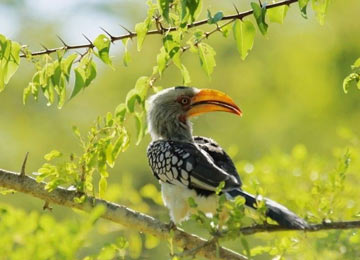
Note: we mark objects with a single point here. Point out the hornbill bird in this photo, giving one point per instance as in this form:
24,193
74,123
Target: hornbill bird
193,166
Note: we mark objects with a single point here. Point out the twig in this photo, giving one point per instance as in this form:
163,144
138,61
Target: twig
160,30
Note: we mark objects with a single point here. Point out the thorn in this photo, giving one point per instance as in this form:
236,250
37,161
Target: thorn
237,10
22,173
131,34
112,38
42,45
91,44
47,206
63,42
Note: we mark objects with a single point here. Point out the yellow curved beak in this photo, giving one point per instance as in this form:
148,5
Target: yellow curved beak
209,100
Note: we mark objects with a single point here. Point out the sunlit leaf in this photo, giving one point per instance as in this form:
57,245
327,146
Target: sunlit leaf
126,57
67,63
207,58
259,14
353,77
356,64
185,75
90,73
141,29
120,112
102,44
80,78
162,59
303,5
320,7
131,98
277,14
140,127
142,86
52,155
9,60
244,34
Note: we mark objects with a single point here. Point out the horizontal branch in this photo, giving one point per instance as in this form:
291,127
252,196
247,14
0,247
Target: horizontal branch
116,213
160,30
312,228
147,224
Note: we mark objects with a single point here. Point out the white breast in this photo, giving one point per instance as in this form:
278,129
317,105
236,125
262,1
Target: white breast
176,199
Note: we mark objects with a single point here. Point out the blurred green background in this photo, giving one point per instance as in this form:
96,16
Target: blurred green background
289,88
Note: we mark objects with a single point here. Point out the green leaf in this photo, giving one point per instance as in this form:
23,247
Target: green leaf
102,186
320,7
120,112
185,75
52,155
353,77
260,13
67,63
356,64
102,44
192,203
62,94
162,59
80,78
126,57
303,5
142,86
207,57
140,126
27,92
141,29
214,19
109,155
190,9
277,14
90,73
131,98
164,8
244,35
9,60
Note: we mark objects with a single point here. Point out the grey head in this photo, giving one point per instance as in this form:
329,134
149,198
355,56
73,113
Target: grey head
166,114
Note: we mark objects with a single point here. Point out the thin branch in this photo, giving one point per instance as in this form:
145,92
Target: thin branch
116,213
160,30
313,228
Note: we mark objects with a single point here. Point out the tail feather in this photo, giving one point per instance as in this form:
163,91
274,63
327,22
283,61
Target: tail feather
275,211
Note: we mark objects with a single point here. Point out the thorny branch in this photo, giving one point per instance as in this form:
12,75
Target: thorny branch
147,224
159,30
116,213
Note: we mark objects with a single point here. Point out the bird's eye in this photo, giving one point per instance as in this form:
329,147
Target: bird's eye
184,101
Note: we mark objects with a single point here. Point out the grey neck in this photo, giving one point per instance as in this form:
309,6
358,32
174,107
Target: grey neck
167,126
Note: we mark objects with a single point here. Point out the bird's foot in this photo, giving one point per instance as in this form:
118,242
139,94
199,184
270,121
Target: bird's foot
172,225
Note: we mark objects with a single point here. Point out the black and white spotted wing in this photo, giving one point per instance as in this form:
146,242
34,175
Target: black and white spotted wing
183,163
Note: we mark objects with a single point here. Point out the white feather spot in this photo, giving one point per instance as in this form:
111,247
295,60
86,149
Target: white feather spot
174,159
175,172
189,166
185,155
184,174
169,175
